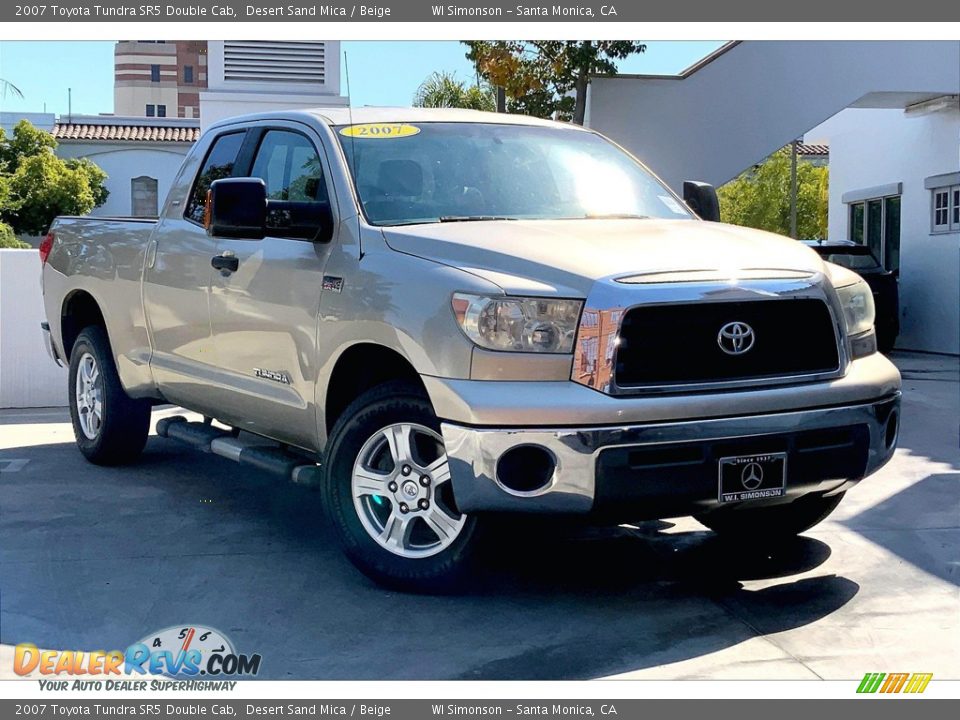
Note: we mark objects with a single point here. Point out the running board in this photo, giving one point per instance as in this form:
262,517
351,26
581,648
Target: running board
255,451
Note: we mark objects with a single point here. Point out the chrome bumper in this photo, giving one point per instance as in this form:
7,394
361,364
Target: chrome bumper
474,453
48,344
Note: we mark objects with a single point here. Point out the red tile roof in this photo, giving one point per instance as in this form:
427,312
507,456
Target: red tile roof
812,149
125,133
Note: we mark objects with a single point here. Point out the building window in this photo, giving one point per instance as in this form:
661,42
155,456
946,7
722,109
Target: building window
946,209
143,196
151,110
875,222
154,73
188,74
161,110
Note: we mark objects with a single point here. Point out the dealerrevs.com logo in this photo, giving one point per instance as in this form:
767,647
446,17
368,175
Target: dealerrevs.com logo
182,651
894,683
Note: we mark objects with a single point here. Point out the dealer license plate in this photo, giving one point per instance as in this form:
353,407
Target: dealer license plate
752,477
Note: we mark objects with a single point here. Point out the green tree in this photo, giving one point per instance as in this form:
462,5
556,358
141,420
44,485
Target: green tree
548,78
36,185
8,239
760,197
444,90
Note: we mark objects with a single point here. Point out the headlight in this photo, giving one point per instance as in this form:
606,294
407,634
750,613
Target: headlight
856,301
518,324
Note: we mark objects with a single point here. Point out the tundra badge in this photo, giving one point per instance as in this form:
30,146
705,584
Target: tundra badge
275,375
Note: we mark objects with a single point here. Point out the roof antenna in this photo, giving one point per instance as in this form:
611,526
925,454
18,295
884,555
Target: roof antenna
353,154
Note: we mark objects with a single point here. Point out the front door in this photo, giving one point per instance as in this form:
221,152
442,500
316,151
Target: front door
176,284
264,314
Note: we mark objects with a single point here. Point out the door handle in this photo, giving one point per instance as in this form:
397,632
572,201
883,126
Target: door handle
226,264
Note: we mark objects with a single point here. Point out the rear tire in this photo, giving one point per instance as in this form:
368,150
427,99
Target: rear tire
386,491
776,521
110,427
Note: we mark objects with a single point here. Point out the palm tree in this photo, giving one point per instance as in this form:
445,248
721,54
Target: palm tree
444,90
7,86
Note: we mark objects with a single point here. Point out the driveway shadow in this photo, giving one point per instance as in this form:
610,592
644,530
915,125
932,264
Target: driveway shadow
96,557
933,504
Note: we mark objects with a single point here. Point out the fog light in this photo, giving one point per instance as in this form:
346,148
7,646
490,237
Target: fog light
893,425
526,469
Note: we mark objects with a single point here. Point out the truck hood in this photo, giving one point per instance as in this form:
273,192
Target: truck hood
565,257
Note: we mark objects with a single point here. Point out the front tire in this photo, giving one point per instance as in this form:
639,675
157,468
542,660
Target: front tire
776,521
387,492
110,427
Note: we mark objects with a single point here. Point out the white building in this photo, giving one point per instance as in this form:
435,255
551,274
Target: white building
895,186
40,120
259,75
888,111
141,156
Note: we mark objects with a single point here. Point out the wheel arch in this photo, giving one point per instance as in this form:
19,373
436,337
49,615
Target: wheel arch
360,367
79,310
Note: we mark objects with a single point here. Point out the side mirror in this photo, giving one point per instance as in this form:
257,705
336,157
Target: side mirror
303,220
702,199
236,208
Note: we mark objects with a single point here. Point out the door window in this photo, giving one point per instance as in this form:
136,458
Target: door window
290,167
288,164
218,164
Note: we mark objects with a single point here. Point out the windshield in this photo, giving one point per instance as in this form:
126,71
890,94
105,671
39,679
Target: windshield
853,261
445,172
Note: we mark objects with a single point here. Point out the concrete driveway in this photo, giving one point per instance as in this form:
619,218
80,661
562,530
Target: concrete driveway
94,558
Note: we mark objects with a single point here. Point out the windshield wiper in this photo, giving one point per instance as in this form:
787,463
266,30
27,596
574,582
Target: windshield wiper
616,216
472,218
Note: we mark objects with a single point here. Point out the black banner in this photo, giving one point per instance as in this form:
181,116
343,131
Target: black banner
438,11
881,709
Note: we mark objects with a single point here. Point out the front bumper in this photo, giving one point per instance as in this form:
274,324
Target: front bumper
669,468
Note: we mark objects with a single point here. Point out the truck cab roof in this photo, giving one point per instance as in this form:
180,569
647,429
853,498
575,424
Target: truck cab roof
369,114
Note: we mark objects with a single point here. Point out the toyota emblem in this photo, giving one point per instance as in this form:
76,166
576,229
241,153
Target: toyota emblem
736,338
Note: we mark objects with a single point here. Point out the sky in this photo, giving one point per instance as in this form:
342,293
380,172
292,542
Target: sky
44,71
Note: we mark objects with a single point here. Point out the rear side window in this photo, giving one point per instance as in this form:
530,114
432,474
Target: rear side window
218,164
854,261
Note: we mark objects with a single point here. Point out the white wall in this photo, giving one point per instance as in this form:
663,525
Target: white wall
124,161
757,97
216,106
878,147
132,100
43,121
28,377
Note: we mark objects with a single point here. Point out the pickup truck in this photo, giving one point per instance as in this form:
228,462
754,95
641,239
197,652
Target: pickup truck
441,316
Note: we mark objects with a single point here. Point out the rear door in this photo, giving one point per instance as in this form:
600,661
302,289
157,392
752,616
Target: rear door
177,276
264,314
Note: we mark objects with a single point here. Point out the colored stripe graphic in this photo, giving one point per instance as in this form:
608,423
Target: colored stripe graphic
918,682
871,682
894,682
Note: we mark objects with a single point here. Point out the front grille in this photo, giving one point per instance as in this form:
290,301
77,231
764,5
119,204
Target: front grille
677,344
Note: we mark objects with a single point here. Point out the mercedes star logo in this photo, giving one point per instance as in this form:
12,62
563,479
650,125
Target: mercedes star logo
736,338
751,476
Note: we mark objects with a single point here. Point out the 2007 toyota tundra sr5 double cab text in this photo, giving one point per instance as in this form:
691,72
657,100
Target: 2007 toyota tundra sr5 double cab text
439,316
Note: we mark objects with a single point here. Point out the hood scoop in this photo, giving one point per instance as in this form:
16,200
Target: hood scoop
716,275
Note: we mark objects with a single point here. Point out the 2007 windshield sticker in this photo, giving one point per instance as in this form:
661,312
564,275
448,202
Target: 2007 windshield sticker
380,131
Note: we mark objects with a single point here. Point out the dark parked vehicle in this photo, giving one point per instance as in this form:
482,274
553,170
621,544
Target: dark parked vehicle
884,283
